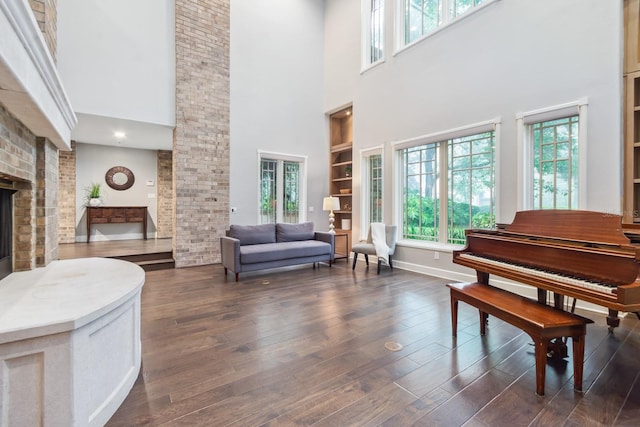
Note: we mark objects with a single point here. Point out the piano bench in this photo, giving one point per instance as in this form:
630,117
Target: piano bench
541,322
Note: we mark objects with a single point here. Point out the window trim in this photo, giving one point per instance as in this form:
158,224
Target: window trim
525,148
399,21
397,146
366,63
365,219
271,155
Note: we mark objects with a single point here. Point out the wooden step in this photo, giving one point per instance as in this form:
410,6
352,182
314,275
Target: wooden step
151,261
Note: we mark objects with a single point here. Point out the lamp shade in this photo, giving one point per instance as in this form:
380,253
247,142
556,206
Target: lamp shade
330,204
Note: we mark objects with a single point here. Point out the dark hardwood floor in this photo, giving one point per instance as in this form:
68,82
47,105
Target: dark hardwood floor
306,346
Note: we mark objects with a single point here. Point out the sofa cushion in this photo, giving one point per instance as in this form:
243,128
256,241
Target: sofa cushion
253,234
294,232
280,251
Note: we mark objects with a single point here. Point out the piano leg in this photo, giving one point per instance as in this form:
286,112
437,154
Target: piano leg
556,347
542,296
482,277
612,320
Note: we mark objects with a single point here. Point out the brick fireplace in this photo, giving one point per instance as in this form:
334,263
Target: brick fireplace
36,119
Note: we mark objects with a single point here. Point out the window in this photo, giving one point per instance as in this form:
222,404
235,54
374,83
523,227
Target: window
375,188
373,27
448,183
372,168
281,188
555,163
421,17
551,155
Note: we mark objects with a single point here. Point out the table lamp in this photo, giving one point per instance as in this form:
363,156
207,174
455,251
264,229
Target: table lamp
331,204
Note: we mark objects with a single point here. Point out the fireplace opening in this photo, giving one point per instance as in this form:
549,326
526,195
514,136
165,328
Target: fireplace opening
6,232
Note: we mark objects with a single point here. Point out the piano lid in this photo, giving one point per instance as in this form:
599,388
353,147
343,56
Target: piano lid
580,226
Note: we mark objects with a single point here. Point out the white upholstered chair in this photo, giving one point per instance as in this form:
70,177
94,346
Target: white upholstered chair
367,247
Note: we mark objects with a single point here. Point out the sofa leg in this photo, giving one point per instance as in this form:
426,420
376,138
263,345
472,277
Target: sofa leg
390,263
379,264
237,274
355,258
366,258
314,265
225,272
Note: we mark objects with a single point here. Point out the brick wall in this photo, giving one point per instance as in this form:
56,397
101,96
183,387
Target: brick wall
45,12
201,135
164,227
46,202
67,195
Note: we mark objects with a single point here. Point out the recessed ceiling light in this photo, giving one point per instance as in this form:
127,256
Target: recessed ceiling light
119,134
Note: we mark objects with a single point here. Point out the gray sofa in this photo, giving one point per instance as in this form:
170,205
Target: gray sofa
257,247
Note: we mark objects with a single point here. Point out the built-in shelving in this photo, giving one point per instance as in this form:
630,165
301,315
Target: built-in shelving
341,178
631,199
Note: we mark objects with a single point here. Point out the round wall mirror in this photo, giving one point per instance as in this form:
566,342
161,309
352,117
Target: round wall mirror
119,178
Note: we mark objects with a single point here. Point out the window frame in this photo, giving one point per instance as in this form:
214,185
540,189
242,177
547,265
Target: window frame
281,158
524,121
366,37
400,21
365,214
398,147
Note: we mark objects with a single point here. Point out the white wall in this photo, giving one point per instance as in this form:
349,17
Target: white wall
276,98
93,162
512,56
116,58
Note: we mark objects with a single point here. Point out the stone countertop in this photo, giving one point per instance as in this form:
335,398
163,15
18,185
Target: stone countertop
63,296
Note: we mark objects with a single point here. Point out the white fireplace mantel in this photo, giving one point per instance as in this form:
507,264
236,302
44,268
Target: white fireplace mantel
30,87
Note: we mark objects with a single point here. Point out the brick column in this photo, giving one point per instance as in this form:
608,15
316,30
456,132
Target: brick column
201,135
164,227
67,195
46,202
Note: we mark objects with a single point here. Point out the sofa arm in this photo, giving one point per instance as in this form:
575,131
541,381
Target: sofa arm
325,236
230,253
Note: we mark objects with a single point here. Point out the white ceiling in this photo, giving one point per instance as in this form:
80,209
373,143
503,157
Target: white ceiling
92,129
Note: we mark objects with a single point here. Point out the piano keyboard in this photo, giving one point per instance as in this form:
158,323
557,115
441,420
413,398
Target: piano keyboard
541,273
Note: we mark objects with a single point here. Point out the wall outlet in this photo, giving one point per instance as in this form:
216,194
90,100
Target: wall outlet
234,210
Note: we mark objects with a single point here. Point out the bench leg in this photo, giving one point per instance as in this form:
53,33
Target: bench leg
484,318
578,361
541,364
454,315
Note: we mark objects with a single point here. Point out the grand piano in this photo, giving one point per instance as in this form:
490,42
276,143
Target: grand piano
580,254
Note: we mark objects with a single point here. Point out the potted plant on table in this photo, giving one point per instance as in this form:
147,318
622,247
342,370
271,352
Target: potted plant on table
93,195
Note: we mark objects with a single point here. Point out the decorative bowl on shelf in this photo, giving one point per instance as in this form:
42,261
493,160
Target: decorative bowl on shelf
345,191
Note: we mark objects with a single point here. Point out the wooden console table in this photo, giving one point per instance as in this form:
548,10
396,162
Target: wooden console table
116,215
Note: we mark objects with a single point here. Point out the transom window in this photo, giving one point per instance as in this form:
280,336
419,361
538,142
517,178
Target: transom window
422,17
448,186
373,32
